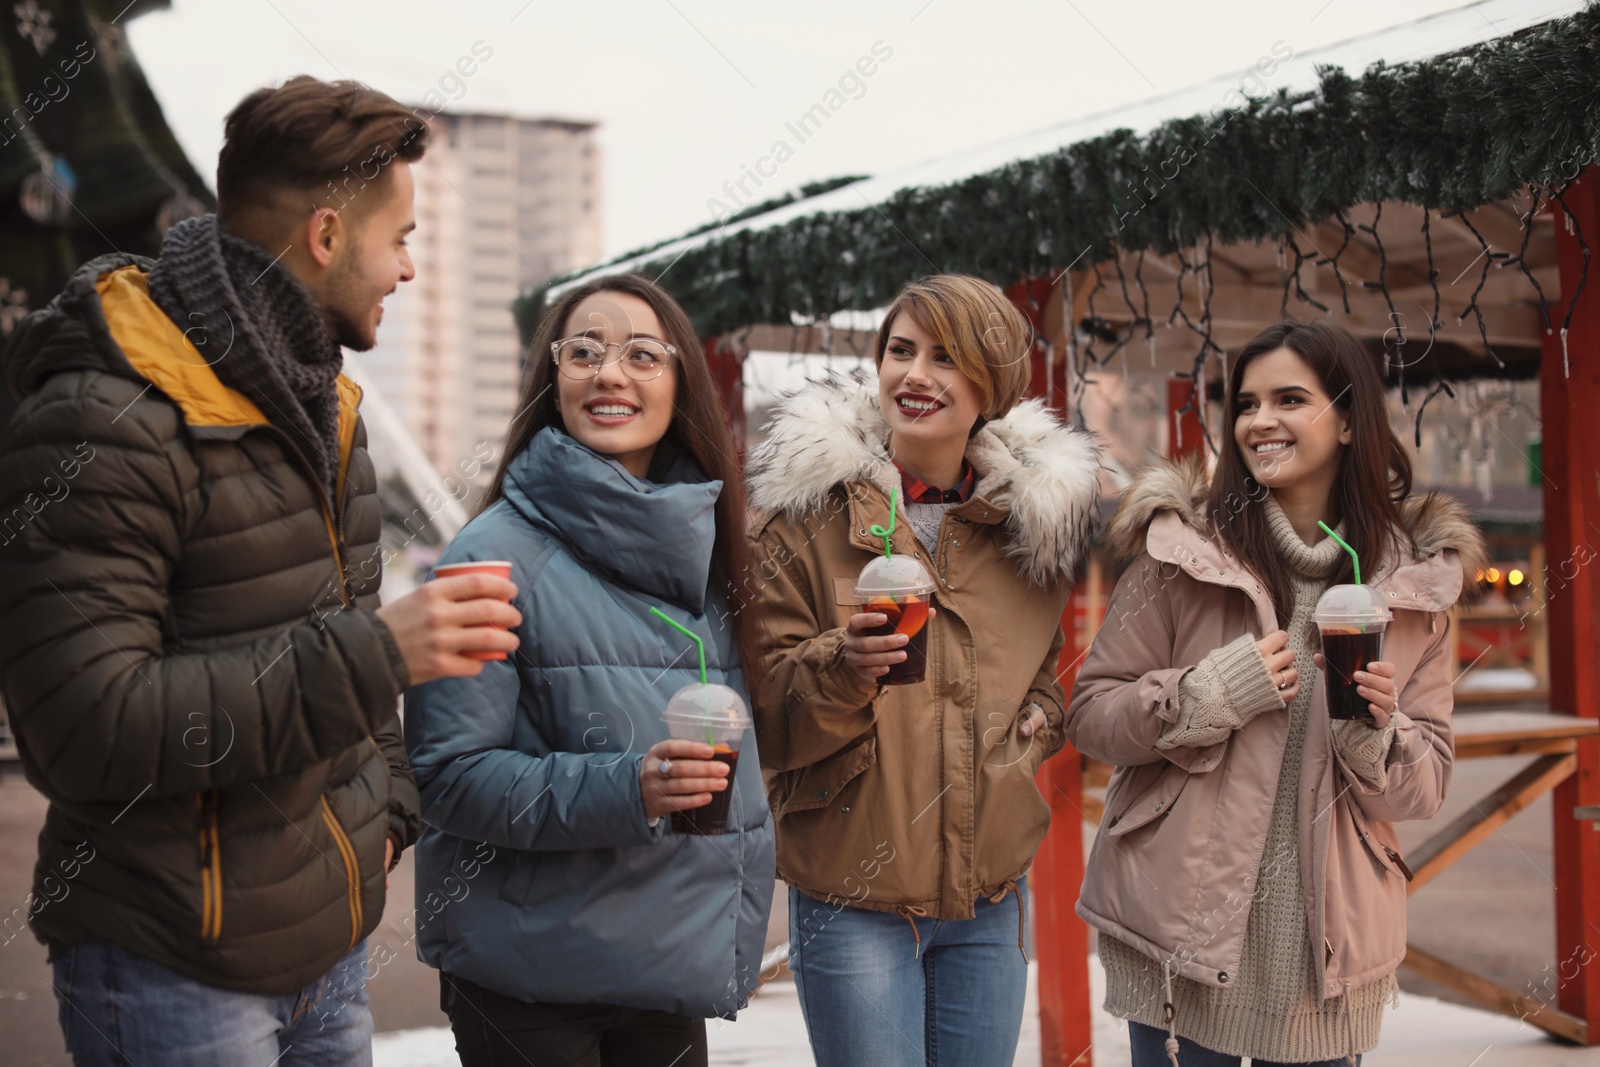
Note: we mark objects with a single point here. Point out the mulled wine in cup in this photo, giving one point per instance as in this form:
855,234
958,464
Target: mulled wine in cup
1351,620
714,715
899,588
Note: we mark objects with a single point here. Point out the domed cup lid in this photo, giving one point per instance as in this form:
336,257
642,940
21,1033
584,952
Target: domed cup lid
893,576
709,713
1352,605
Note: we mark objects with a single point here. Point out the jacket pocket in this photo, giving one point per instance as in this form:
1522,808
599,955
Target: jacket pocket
1386,855
352,869
817,785
1147,802
210,866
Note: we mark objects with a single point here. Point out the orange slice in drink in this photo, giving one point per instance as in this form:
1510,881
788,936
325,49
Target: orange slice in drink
913,616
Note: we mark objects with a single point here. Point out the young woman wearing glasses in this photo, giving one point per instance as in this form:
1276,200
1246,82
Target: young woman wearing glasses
570,922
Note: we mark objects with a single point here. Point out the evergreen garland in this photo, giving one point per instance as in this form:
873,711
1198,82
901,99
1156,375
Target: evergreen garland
1449,133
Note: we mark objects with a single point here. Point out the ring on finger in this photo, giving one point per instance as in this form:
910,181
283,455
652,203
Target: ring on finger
665,768
1283,679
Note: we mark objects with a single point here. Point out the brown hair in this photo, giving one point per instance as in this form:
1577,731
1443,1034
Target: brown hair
699,427
309,140
1374,470
985,334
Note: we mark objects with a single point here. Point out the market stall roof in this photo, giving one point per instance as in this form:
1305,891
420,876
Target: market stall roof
1452,111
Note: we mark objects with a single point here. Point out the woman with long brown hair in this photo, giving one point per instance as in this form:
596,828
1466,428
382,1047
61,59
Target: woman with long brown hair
1247,882
583,928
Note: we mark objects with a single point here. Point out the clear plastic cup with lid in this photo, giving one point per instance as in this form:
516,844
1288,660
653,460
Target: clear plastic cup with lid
1352,620
714,715
900,589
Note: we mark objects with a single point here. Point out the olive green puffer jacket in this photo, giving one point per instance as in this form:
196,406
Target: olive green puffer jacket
208,703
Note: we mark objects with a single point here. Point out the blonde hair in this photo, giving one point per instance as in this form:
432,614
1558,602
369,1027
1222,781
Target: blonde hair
986,336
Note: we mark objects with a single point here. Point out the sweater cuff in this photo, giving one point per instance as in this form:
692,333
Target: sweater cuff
1250,688
1365,751
1223,692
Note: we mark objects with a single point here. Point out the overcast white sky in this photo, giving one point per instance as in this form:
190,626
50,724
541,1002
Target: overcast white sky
690,92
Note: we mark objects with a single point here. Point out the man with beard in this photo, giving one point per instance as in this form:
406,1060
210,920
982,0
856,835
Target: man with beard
191,649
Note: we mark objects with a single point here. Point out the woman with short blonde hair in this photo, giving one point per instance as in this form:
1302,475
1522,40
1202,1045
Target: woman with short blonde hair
986,336
907,813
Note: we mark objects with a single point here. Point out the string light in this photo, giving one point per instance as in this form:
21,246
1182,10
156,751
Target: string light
1489,257
1576,230
1440,386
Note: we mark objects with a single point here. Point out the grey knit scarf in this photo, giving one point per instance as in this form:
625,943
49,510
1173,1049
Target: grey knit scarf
261,329
1317,561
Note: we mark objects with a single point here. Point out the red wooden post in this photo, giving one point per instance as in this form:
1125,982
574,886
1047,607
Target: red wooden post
727,371
1061,939
1568,397
1184,435
1034,297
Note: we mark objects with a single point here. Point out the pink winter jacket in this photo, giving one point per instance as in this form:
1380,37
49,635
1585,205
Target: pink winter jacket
1174,866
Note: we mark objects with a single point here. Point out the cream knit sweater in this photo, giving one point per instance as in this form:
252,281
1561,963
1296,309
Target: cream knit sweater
1272,1011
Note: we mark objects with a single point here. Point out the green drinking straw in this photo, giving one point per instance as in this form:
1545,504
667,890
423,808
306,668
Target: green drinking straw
690,634
699,644
879,531
1355,561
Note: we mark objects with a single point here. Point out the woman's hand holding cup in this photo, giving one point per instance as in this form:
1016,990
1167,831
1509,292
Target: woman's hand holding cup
1376,683
871,656
692,776
1279,658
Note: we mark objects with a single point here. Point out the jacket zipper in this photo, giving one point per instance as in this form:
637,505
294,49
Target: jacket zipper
210,867
331,514
351,869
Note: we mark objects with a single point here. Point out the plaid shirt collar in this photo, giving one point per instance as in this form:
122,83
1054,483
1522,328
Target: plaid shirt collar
917,491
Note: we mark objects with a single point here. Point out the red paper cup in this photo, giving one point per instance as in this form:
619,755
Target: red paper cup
499,567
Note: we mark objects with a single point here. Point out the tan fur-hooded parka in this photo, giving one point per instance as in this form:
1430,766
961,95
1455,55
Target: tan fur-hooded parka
911,798
1173,869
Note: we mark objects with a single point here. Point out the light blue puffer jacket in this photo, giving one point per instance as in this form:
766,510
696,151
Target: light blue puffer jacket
538,875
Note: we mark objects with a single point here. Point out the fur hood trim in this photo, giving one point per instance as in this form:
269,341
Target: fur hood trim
1435,521
1044,474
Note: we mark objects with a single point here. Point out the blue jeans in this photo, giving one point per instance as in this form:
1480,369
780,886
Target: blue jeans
868,998
119,1009
1149,1047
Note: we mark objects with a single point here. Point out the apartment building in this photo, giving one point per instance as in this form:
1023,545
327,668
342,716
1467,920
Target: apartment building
502,204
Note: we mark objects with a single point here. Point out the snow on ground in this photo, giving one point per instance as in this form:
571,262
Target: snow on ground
1422,1032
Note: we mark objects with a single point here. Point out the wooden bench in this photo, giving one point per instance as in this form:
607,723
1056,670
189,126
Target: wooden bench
1554,740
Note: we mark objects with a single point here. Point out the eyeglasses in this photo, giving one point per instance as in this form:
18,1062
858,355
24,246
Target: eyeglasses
583,357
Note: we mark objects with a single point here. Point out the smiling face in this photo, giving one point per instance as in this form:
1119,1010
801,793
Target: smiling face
612,413
1286,426
372,261
926,400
